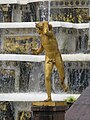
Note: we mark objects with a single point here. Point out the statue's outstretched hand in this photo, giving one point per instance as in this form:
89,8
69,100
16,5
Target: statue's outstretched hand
34,51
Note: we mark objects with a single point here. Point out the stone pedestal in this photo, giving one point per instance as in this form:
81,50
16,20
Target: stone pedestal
49,110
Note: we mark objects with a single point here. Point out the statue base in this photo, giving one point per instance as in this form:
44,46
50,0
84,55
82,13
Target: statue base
49,110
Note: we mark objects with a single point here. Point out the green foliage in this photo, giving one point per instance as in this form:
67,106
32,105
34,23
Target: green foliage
70,99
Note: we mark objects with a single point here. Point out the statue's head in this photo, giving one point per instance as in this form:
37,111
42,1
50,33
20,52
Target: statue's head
41,25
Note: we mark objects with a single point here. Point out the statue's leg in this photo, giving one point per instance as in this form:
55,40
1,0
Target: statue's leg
60,67
48,71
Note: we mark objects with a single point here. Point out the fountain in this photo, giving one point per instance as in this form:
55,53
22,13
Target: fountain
17,60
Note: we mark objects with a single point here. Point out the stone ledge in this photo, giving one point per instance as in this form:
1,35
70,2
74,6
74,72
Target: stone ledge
50,103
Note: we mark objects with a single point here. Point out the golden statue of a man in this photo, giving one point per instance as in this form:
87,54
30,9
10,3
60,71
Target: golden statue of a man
52,55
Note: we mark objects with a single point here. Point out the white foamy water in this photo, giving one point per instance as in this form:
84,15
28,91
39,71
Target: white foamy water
54,24
34,96
40,58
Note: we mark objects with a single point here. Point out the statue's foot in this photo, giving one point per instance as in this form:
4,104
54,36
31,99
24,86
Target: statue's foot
48,100
64,87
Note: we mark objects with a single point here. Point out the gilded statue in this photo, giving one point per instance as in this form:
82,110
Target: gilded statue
52,55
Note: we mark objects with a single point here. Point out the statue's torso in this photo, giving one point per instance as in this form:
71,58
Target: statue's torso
50,45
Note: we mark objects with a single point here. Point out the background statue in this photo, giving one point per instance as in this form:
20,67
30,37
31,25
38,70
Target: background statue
52,55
